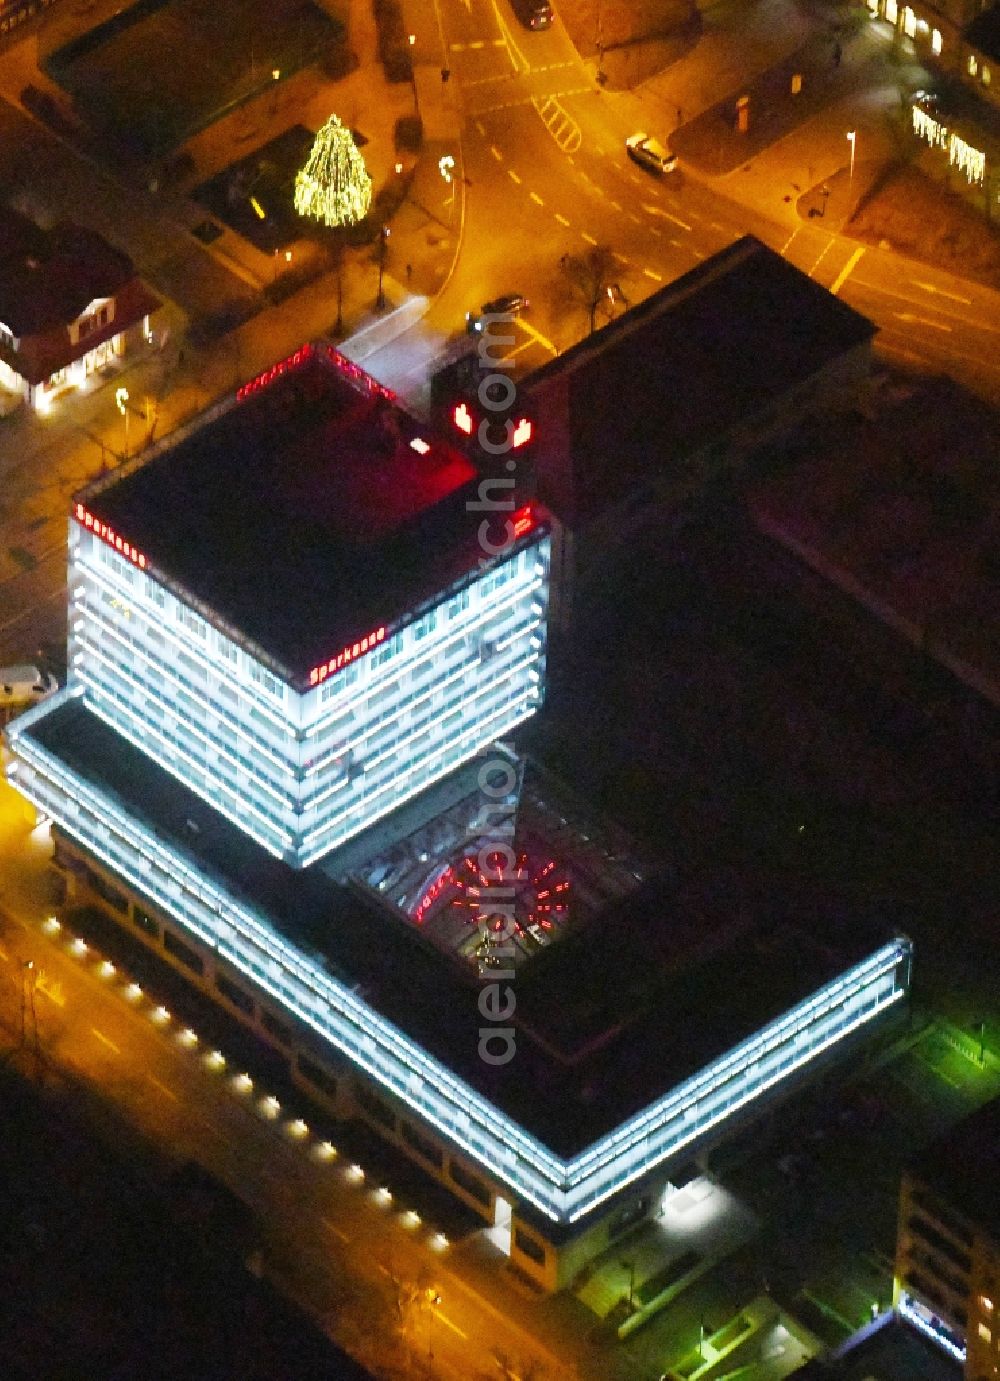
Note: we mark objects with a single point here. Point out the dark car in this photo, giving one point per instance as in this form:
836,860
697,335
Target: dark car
533,14
510,304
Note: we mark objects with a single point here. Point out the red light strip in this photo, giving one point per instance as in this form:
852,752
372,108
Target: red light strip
347,654
523,521
108,534
347,367
520,434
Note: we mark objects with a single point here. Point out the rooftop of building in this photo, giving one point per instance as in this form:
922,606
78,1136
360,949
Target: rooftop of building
630,1002
49,277
695,360
904,508
889,1350
963,1167
984,32
305,513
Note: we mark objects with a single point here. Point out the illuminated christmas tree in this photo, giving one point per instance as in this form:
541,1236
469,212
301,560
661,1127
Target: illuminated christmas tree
334,185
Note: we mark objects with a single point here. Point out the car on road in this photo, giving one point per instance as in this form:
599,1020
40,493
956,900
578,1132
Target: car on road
509,304
533,14
649,153
21,687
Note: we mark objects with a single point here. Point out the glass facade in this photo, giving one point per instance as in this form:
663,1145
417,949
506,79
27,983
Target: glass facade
564,1190
303,772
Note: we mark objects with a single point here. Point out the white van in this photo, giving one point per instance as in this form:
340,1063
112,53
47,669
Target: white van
21,687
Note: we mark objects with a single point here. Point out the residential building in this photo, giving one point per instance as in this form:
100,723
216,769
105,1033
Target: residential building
70,304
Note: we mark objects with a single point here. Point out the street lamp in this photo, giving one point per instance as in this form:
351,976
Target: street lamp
382,245
121,403
852,139
433,1300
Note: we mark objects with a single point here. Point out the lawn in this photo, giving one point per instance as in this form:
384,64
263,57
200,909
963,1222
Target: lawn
921,218
156,74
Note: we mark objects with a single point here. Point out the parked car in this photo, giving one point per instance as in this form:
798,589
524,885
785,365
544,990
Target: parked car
649,153
533,14
21,687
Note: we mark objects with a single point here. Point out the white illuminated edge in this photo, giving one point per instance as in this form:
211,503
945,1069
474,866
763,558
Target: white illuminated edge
563,1190
925,1322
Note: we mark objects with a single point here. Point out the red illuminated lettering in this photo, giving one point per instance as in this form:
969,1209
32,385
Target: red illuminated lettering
346,654
463,419
522,432
108,534
523,522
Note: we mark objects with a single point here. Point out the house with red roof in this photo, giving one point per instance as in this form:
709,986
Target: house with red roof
70,305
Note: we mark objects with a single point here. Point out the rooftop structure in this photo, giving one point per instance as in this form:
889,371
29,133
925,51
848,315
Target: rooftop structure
307,512
697,364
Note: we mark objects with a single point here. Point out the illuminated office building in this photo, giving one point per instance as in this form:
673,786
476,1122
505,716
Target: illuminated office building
299,653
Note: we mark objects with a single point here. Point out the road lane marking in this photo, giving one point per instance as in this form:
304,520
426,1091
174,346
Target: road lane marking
615,205
479,43
496,153
846,271
105,1040
561,219
633,217
338,1232
655,230
788,243
162,1087
536,198
656,277
589,238
913,320
942,292
513,176
622,258
659,211
480,126
822,256
535,334
448,1324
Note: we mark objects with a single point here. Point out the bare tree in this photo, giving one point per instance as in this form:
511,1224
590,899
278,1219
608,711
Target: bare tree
589,280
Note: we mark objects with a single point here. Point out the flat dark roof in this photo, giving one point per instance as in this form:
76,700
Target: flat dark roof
984,32
963,1166
696,359
301,514
623,1008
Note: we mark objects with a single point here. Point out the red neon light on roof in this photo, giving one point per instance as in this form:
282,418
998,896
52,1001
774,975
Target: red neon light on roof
522,432
463,419
347,654
523,521
346,367
108,534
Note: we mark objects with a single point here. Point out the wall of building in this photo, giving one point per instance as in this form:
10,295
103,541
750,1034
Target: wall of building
302,773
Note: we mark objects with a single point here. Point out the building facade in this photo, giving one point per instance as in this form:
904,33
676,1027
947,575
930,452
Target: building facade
70,305
948,1248
295,642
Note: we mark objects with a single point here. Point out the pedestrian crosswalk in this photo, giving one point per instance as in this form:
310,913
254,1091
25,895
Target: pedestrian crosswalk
559,123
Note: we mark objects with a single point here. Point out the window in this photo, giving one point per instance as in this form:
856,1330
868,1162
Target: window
986,1303
528,1247
236,995
316,1075
458,604
373,1105
281,1032
421,1144
115,899
972,66
471,1183
936,41
426,625
387,650
192,621
227,649
183,952
985,75
340,682
984,1333
264,678
145,922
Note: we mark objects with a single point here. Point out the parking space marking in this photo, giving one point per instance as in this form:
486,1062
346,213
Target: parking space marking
513,176
337,1232
106,1040
536,198
496,153
589,238
163,1087
561,219
656,277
